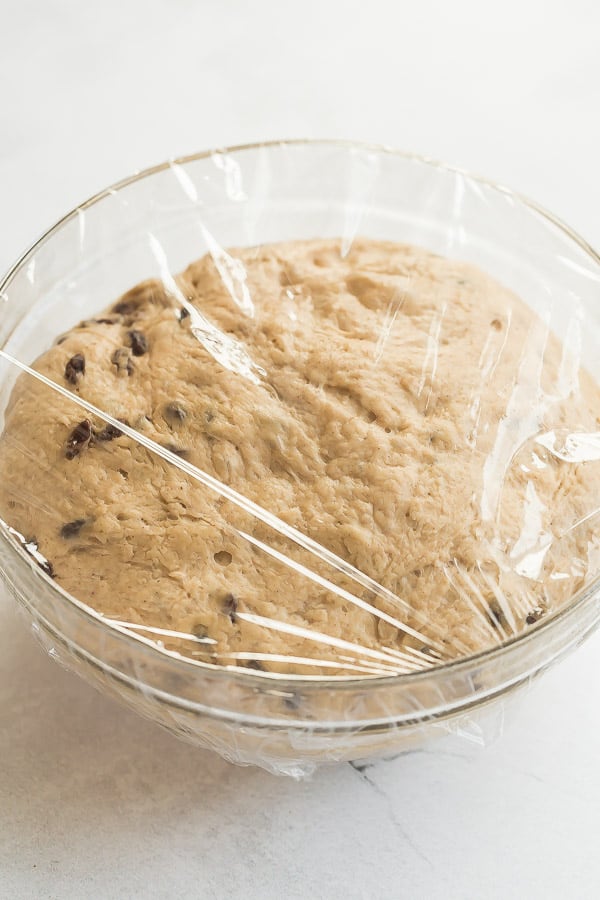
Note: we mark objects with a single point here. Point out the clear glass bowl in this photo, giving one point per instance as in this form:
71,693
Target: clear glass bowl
246,196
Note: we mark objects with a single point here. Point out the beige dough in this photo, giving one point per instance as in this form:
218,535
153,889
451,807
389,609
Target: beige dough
387,403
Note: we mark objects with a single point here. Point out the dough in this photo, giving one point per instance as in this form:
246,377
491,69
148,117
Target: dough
397,407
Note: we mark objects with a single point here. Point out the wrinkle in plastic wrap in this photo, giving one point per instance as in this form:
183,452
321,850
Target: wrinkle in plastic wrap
331,493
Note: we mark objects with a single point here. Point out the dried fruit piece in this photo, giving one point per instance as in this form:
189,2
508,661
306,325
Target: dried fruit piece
230,606
124,307
139,342
75,368
47,567
71,529
79,439
534,615
110,432
178,451
496,615
31,546
121,358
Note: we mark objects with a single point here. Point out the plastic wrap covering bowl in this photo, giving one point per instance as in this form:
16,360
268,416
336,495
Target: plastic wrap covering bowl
342,698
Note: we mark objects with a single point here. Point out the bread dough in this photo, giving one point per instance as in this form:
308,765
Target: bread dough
397,407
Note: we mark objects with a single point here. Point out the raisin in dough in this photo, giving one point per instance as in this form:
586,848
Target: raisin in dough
381,402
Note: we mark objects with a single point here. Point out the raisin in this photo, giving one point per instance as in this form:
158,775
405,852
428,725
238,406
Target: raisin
110,432
496,616
174,412
31,546
122,360
139,342
230,606
178,451
534,615
71,529
79,439
255,664
75,368
124,308
47,567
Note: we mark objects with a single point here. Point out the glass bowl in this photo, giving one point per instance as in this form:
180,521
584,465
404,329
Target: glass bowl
246,196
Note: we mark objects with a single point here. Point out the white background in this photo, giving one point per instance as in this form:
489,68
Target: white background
94,802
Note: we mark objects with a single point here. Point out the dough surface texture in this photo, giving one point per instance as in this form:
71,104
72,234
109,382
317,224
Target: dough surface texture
397,407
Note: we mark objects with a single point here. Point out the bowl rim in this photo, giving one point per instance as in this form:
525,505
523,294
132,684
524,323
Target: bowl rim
309,683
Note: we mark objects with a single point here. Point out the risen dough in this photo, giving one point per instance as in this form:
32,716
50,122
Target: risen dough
385,403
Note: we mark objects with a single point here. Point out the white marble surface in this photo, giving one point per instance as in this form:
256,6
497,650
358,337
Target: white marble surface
95,802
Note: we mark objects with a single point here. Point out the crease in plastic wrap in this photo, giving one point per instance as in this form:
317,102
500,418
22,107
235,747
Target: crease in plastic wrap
300,449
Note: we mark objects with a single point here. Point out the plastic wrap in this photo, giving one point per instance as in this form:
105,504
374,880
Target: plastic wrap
301,449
